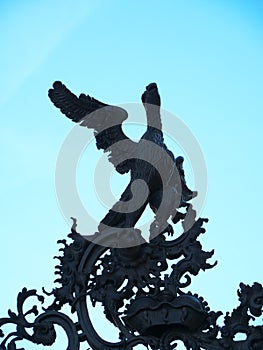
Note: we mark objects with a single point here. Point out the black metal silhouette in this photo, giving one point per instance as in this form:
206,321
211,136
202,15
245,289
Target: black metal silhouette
140,159
142,296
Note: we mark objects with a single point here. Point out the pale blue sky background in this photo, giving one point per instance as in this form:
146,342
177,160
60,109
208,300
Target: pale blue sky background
206,57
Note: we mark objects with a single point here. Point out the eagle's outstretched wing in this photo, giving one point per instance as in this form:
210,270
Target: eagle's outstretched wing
105,119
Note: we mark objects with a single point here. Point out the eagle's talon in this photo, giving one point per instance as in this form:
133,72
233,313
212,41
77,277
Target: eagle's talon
169,229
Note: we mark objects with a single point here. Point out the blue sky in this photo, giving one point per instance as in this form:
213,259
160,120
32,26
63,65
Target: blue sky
206,57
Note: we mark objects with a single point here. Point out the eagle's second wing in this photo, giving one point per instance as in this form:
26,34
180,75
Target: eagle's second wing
106,121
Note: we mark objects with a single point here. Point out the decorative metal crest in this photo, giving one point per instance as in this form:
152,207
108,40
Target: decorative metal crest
140,285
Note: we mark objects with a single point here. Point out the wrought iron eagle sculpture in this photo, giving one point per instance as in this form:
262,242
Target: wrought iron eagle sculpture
149,159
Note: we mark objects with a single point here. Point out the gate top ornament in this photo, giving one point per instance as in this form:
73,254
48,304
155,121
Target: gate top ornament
141,295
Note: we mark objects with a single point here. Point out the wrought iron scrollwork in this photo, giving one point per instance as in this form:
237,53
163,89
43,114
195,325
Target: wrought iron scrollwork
141,296
42,330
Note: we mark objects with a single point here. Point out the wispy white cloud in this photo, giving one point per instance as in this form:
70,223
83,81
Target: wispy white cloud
31,31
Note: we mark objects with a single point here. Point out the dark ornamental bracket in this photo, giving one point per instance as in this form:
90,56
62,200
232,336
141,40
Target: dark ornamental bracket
141,295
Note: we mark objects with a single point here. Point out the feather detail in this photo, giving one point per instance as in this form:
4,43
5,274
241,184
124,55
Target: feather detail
105,120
